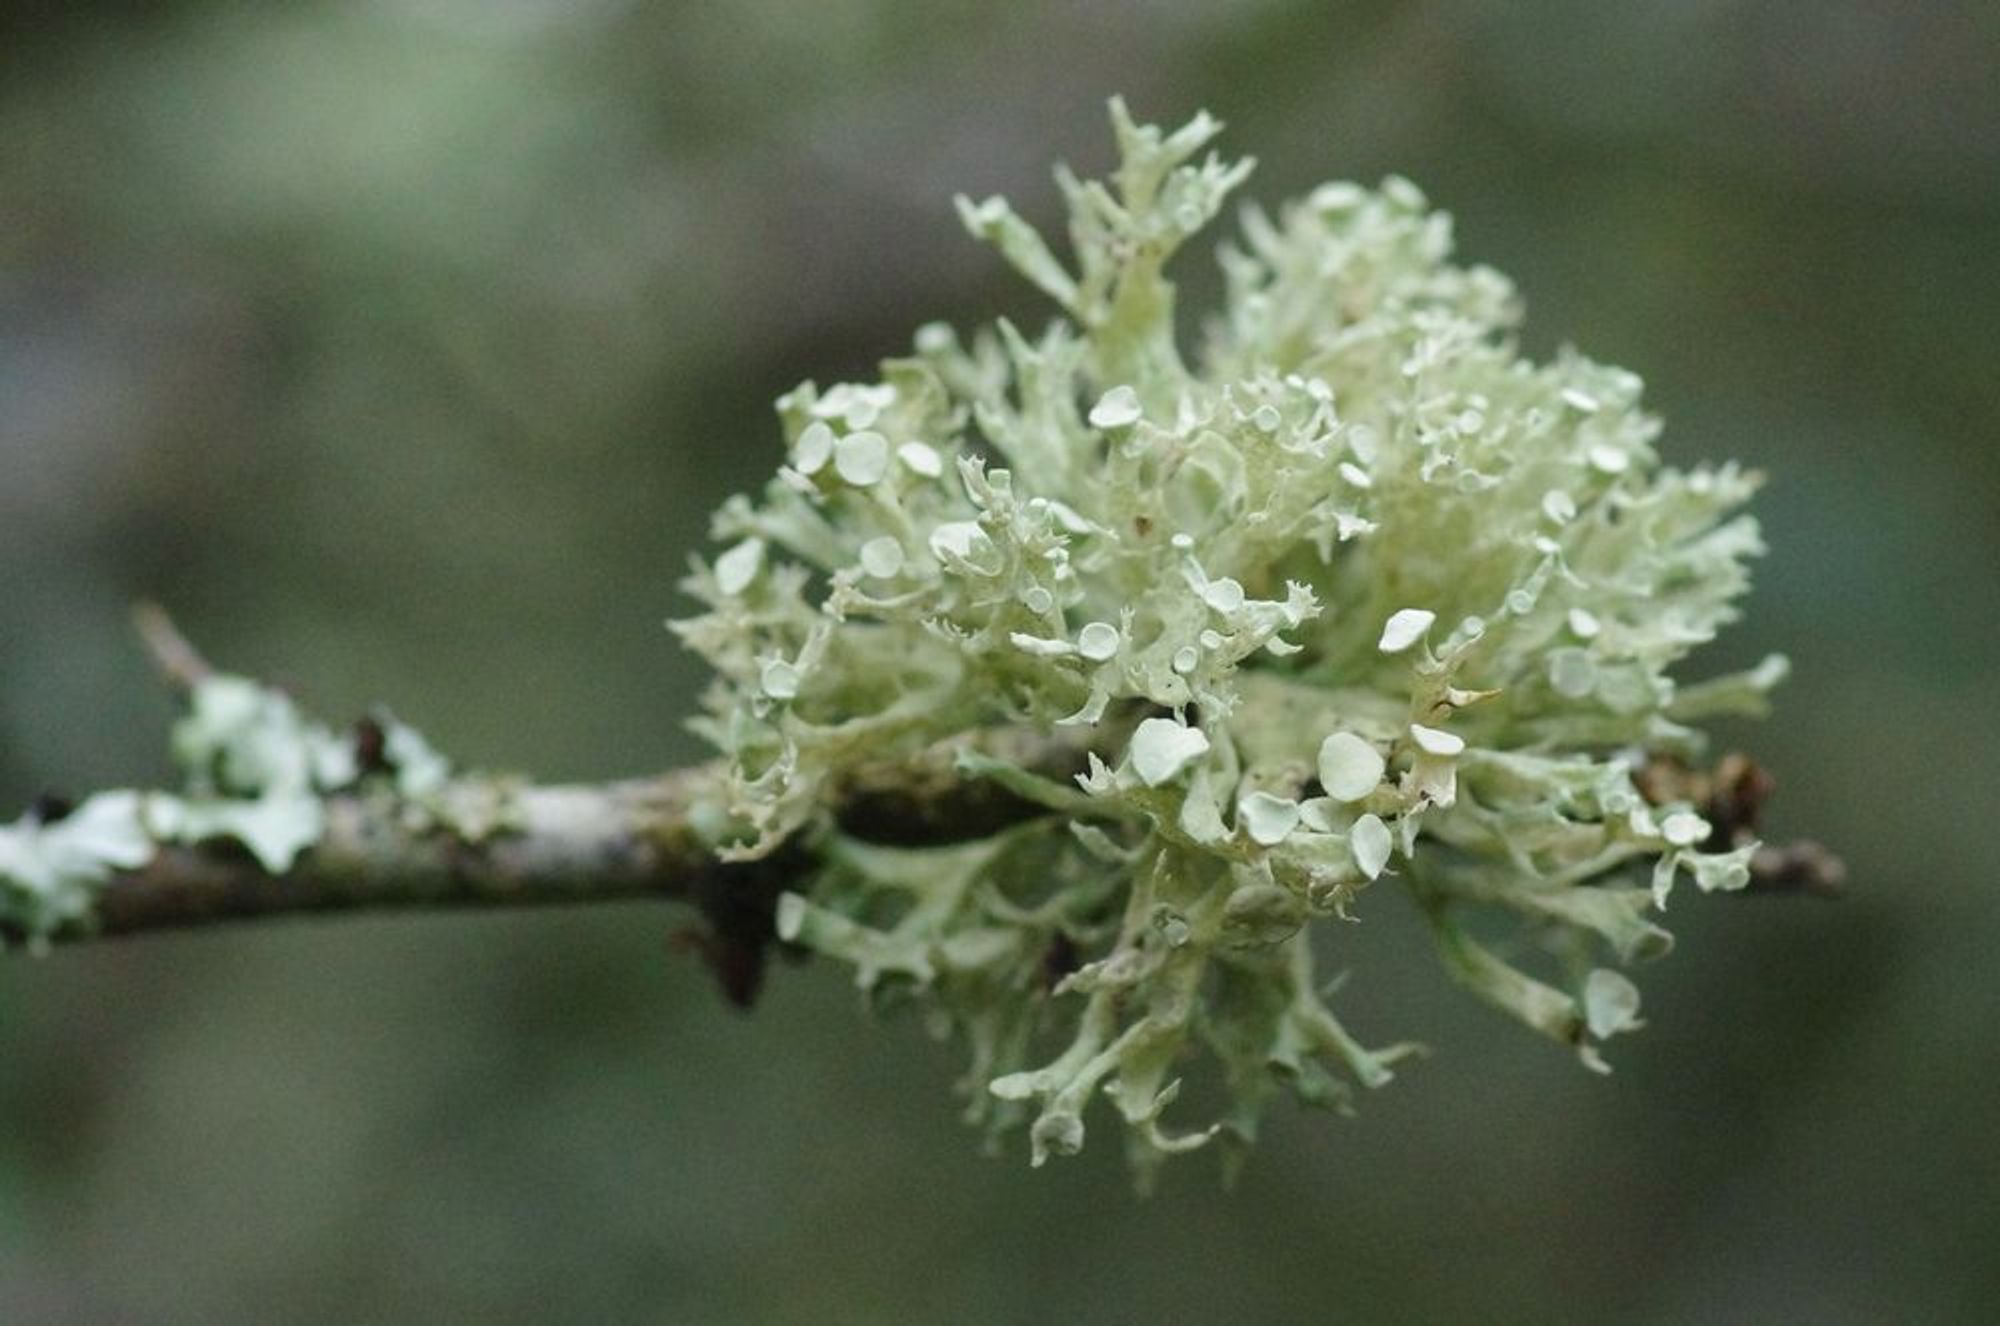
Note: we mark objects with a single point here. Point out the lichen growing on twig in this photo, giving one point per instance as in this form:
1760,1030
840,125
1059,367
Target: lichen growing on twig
256,773
1377,597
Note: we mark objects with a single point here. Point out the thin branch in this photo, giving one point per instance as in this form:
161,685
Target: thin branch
624,840
180,662
570,844
567,844
562,844
1798,867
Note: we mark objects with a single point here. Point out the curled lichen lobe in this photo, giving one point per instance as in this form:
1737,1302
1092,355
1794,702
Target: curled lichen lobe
1387,599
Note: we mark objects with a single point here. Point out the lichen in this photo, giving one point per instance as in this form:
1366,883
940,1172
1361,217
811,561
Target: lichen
1386,599
255,772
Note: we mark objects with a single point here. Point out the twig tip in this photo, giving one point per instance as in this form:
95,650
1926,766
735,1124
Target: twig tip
177,660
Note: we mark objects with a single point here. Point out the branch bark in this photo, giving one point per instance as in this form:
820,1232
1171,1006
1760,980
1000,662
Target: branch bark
579,844
634,839
563,845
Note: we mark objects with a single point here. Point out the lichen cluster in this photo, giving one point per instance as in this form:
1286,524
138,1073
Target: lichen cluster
1356,593
255,773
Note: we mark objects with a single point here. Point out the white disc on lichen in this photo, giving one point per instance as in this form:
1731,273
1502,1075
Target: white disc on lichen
882,557
921,458
1349,767
813,449
1404,628
861,458
1161,748
1098,641
1369,841
1117,408
1437,741
1684,828
780,679
1224,595
1610,1003
736,568
1267,818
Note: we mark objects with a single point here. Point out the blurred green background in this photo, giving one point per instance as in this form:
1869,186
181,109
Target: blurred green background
401,347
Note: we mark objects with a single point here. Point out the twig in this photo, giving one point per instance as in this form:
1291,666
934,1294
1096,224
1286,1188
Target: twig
177,660
569,845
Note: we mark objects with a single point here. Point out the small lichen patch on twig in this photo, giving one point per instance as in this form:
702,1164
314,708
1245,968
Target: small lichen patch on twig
256,772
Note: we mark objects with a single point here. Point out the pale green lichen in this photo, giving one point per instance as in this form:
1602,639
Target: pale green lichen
1392,599
50,872
255,772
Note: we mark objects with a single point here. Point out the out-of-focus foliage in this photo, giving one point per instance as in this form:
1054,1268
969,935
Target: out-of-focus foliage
403,348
